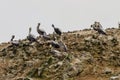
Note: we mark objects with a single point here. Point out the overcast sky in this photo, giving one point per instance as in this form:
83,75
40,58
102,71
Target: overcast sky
16,16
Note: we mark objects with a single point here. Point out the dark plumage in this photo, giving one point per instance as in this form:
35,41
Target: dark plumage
46,37
100,31
14,42
31,37
54,44
57,30
40,31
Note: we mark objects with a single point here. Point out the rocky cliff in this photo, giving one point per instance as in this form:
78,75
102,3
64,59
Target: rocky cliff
90,56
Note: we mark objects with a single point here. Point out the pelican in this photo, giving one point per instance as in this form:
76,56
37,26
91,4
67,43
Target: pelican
31,37
40,31
14,42
119,25
54,44
63,46
98,27
57,30
46,37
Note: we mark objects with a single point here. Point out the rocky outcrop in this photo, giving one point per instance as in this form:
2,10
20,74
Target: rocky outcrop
90,56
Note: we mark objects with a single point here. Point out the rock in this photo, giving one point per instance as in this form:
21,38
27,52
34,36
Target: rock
29,63
115,78
88,38
110,37
107,70
75,67
56,53
22,78
86,57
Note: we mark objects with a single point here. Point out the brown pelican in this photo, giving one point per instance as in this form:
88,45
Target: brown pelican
98,27
54,44
40,31
57,30
14,42
31,37
63,46
46,37
119,25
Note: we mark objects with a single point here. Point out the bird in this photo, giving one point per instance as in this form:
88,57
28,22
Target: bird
40,31
46,37
119,25
54,44
63,46
98,27
14,42
31,37
57,30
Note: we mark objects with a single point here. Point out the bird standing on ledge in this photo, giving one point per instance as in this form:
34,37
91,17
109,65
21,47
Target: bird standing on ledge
14,42
98,27
40,31
57,30
31,37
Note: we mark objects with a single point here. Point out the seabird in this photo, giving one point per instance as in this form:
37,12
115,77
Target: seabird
14,42
54,44
46,37
119,25
63,46
57,30
98,27
40,31
31,37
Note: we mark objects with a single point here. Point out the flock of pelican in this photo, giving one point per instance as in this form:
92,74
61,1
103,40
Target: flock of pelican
54,43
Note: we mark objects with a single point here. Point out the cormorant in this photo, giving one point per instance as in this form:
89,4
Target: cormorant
57,30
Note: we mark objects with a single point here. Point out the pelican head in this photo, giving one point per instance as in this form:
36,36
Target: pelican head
91,26
38,26
53,26
13,36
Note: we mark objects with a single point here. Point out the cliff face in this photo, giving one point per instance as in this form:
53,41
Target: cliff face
90,56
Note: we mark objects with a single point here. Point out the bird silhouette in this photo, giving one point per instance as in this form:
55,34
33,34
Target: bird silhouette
57,30
14,42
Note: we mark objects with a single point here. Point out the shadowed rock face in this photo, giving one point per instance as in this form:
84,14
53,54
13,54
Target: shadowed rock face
89,56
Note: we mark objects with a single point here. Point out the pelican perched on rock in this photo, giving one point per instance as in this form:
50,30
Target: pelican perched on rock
46,37
31,37
57,30
40,31
119,25
98,27
63,46
54,44
14,42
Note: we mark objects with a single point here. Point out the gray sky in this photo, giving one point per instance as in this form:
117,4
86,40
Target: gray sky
16,16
